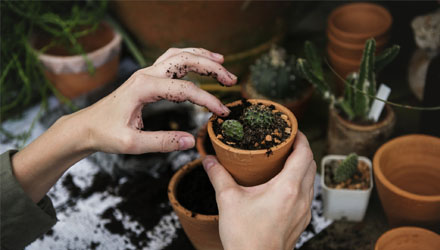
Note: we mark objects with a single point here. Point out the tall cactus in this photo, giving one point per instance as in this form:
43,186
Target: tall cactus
346,169
360,88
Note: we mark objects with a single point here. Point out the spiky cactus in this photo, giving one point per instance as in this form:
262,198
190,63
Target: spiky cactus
274,75
360,87
258,116
233,129
346,169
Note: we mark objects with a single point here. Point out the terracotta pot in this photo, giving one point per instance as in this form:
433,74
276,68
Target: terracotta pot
240,30
408,238
254,167
69,74
407,175
203,143
352,51
297,106
344,137
341,65
202,230
354,23
344,203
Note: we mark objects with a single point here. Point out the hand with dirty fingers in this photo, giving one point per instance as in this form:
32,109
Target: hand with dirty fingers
114,123
271,215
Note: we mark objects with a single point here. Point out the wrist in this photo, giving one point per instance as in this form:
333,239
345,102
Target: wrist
78,133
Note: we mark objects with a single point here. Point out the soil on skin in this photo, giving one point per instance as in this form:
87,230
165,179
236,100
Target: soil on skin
195,193
360,180
254,139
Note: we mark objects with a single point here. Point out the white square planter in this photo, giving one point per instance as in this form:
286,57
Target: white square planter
345,203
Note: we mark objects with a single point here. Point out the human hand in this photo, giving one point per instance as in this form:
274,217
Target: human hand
115,121
267,216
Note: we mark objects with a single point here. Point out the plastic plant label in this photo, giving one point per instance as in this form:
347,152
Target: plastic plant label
377,106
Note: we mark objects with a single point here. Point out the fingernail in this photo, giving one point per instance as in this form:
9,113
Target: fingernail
216,55
186,143
232,76
226,111
208,162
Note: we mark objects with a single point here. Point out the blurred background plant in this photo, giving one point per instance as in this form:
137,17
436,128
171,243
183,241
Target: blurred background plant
22,81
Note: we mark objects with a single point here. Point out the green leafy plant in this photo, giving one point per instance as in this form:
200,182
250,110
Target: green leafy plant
346,169
258,116
233,129
274,75
360,87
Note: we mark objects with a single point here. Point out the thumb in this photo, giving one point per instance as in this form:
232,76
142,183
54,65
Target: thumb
163,141
219,177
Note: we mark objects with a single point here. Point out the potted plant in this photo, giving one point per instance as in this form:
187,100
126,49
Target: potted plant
407,175
255,139
350,127
273,77
193,200
347,183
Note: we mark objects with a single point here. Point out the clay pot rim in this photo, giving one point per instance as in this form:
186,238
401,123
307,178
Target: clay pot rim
388,184
284,110
404,231
308,92
387,20
330,157
380,42
365,128
79,58
172,187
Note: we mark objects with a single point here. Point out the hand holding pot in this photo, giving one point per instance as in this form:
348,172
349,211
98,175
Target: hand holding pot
267,216
115,121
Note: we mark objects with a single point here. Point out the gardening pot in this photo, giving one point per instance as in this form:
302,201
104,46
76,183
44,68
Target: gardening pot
355,23
297,106
342,66
202,230
407,175
344,203
69,73
408,238
254,167
344,137
240,30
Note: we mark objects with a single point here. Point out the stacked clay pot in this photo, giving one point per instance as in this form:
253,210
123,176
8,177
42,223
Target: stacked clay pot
349,27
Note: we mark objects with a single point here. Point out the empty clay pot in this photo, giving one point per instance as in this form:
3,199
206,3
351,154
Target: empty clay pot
202,230
354,23
69,73
408,238
407,175
341,65
254,167
344,137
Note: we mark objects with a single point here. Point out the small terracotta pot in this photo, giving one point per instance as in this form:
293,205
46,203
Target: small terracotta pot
407,175
254,167
356,22
408,238
351,51
342,66
297,106
69,74
344,137
202,230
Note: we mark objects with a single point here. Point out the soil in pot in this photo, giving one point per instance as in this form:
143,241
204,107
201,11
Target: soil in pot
360,180
195,193
255,138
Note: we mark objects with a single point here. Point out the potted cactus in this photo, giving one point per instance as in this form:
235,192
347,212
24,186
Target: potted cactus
347,183
350,127
255,139
273,76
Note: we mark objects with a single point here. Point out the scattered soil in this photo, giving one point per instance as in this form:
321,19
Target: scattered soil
254,139
360,180
195,193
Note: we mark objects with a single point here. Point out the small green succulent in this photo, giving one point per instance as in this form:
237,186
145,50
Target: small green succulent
233,129
347,168
258,116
